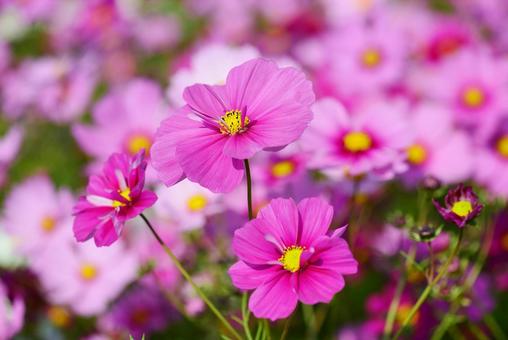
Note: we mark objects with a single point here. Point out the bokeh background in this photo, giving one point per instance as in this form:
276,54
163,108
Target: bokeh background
81,79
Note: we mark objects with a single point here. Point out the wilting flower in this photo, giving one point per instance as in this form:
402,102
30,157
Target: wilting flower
286,255
11,314
371,141
261,106
112,198
461,205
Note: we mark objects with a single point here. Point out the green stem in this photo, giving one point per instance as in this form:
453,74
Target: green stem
430,286
249,188
286,328
494,327
394,305
445,324
310,321
187,276
245,317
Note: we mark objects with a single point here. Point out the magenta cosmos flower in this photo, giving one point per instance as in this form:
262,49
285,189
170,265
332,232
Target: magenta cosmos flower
112,198
261,106
461,205
373,141
286,255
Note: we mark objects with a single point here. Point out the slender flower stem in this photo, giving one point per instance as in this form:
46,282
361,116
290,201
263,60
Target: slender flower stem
494,327
286,328
187,276
431,261
249,188
394,305
430,286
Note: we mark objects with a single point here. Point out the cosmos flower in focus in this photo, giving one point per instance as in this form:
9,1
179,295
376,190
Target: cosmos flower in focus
461,205
112,198
287,256
261,107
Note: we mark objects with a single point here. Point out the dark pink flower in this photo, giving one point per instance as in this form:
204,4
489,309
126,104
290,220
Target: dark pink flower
461,205
287,256
112,198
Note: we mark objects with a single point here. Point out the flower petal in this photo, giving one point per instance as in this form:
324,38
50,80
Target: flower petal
282,217
316,215
275,299
172,130
246,277
205,100
250,243
201,158
319,284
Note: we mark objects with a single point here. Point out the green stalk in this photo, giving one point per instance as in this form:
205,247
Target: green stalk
187,276
430,286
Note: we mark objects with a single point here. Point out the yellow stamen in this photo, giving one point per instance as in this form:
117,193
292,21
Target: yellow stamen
462,208
231,123
48,224
402,314
283,169
371,58
357,141
473,97
88,272
197,202
138,142
290,259
502,146
416,154
59,316
125,193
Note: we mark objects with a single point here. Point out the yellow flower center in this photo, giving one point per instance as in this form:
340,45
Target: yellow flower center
290,259
416,154
59,316
197,202
403,313
283,169
504,242
502,146
473,97
357,141
231,123
371,58
462,208
88,272
125,193
138,142
48,224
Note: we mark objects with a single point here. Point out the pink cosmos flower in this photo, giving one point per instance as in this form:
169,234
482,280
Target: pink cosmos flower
492,156
112,198
138,313
35,213
371,141
461,205
210,64
186,204
12,314
125,120
83,276
437,148
365,58
261,106
471,83
286,255
156,33
9,148
59,88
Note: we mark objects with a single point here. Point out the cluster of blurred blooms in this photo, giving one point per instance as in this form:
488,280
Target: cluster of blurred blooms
419,89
